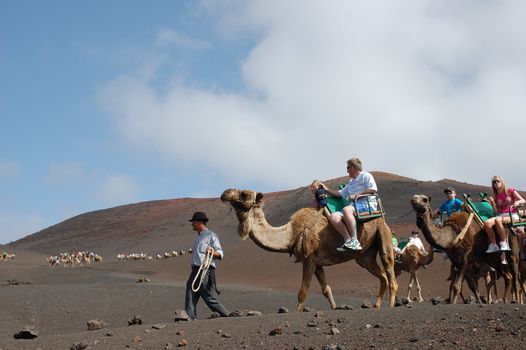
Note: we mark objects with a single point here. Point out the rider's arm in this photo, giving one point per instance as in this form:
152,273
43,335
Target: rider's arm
334,193
518,198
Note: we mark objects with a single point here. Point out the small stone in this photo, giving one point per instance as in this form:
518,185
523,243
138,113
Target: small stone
414,339
236,313
334,331
109,334
344,307
136,339
254,313
168,346
143,280
312,324
79,346
437,300
135,321
308,309
159,326
182,342
276,331
366,304
226,335
181,315
28,332
96,324
378,325
367,326
319,314
179,333
283,310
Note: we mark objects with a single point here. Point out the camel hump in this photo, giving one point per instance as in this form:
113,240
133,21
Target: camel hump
306,225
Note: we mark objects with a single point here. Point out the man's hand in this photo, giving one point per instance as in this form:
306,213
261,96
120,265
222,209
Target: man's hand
210,250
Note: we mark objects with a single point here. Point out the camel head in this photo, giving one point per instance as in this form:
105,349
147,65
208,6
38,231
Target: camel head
242,201
421,203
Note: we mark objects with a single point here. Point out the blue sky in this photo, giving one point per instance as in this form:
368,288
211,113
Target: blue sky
104,103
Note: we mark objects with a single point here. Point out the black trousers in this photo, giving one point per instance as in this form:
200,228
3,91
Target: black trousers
207,291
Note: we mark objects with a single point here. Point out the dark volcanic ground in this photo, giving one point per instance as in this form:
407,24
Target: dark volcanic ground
59,301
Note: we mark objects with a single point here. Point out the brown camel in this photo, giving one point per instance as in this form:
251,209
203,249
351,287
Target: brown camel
467,252
410,261
313,241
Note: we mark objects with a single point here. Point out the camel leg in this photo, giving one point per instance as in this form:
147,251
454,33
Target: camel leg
491,285
457,285
325,288
308,271
410,285
368,261
474,286
418,288
387,258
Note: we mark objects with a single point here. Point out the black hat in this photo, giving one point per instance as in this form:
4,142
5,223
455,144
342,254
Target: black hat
414,233
199,216
449,189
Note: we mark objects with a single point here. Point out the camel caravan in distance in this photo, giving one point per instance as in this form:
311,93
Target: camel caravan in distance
7,257
145,256
72,259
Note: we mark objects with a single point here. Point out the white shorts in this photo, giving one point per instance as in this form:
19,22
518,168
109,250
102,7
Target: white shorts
514,216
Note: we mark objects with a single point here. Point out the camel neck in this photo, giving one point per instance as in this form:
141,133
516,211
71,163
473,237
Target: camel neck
275,239
439,238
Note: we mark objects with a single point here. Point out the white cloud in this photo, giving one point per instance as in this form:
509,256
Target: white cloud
427,89
9,169
118,189
169,37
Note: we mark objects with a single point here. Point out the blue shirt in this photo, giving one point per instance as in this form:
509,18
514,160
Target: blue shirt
203,240
451,206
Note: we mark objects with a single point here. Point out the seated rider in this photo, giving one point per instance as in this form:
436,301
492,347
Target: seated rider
361,182
452,204
502,202
415,240
320,195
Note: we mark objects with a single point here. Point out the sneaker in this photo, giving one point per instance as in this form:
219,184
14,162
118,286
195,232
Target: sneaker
492,248
355,245
504,246
345,246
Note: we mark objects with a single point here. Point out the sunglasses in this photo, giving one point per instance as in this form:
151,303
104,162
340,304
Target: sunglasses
496,181
448,193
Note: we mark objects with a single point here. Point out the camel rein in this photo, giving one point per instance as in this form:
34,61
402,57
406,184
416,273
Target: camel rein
203,270
464,230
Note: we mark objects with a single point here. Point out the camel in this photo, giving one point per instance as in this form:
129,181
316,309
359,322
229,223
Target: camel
410,261
313,241
467,252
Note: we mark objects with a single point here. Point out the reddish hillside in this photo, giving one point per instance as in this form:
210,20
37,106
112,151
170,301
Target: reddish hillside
158,226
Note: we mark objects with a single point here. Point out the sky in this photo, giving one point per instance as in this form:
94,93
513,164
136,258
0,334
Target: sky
105,103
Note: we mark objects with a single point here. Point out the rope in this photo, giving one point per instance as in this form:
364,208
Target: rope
464,230
203,270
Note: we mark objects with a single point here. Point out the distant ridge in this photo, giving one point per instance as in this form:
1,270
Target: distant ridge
155,225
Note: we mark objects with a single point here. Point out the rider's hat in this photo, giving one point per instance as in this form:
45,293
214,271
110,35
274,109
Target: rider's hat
199,216
449,189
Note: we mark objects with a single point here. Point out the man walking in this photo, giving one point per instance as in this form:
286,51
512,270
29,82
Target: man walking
205,242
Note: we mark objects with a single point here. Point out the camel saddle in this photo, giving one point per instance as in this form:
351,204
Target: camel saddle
483,211
372,203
